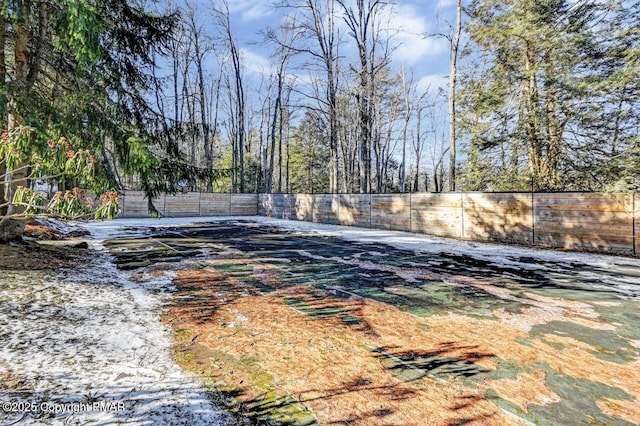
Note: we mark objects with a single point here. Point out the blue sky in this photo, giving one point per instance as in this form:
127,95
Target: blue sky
428,57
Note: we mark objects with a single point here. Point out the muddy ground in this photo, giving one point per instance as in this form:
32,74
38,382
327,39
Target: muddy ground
303,328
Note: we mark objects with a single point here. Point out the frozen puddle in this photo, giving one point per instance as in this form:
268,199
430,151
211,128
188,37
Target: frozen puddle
88,347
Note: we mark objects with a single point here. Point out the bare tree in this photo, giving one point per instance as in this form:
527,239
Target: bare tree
408,90
453,75
320,39
284,42
235,85
419,137
201,47
364,23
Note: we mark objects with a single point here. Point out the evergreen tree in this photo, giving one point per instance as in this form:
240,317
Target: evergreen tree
78,71
535,80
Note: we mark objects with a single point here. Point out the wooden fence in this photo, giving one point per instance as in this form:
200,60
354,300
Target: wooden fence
135,204
606,223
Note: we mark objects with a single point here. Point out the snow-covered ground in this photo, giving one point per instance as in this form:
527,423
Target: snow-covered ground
69,339
616,273
93,335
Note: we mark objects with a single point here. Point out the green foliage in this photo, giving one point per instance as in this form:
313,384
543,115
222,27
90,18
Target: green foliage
109,206
73,204
551,94
80,94
31,200
309,157
70,205
80,28
25,147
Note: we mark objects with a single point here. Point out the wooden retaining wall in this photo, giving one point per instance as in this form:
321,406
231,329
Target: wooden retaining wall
135,204
606,223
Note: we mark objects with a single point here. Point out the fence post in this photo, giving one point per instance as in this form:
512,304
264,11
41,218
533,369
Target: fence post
533,217
633,223
462,214
124,198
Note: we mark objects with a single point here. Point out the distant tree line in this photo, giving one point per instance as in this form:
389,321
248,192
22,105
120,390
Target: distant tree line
108,94
542,94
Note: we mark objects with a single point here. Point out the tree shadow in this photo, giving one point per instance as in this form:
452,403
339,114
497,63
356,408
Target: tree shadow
347,311
416,365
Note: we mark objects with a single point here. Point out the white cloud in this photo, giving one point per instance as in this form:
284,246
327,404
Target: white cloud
413,29
445,4
251,10
254,62
433,83
256,12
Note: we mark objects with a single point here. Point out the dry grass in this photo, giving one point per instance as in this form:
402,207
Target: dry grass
253,344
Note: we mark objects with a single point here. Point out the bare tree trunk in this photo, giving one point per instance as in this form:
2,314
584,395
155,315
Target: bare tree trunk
407,92
453,75
237,97
365,30
200,51
322,27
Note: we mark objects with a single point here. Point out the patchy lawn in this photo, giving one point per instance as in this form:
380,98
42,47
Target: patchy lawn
331,325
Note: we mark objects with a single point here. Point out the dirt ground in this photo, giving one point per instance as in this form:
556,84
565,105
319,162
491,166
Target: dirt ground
48,245
294,328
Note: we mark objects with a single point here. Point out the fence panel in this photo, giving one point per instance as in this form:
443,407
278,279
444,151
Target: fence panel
244,204
503,217
135,204
325,208
354,210
584,221
437,214
214,204
182,205
391,211
302,207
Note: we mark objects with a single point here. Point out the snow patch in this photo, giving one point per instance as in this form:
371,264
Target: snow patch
92,335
